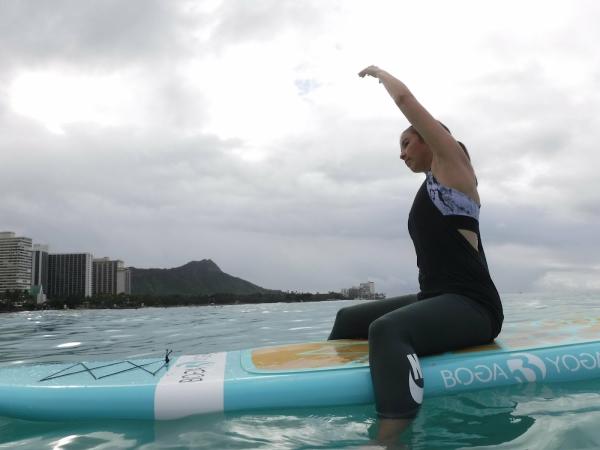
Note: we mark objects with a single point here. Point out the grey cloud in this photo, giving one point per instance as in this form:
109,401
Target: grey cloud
143,169
327,209
521,126
160,200
538,226
166,199
99,33
178,103
262,20
106,35
348,151
528,115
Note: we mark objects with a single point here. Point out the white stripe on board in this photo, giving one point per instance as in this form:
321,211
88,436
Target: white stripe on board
193,385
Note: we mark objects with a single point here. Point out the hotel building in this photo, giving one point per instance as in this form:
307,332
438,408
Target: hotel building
15,262
110,277
69,274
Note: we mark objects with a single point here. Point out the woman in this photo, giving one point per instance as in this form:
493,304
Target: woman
458,305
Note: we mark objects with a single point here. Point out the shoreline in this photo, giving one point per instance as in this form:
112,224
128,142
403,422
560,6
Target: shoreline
178,305
137,301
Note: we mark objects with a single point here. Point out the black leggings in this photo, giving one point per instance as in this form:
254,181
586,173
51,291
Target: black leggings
401,328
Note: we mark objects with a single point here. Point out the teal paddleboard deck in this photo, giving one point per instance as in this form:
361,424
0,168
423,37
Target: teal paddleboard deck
294,375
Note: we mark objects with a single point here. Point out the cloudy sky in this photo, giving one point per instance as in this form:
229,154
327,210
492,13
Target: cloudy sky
159,132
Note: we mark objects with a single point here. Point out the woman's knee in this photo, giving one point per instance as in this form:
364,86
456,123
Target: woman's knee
383,329
343,316
343,327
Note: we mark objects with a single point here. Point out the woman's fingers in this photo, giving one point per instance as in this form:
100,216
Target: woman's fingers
371,70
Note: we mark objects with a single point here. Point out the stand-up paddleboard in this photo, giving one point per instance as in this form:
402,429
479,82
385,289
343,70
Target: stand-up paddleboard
305,374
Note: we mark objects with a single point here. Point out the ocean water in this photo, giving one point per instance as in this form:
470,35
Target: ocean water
561,416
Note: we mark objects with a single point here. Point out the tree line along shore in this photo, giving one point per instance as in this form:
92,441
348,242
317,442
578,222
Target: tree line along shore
22,301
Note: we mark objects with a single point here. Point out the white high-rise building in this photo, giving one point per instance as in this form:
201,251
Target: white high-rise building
124,280
363,291
367,289
15,262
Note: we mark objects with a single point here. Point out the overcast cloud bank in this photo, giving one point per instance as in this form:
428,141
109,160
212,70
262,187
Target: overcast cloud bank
164,132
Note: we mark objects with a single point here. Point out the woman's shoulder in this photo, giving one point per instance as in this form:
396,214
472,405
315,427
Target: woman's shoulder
460,177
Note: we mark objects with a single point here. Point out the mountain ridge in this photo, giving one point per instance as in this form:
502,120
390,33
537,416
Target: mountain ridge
202,277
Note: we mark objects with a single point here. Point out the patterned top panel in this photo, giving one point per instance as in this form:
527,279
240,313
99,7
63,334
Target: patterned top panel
450,201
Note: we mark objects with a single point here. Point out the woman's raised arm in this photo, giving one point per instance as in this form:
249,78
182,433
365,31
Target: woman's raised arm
444,147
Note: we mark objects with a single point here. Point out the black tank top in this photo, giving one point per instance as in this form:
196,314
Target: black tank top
447,262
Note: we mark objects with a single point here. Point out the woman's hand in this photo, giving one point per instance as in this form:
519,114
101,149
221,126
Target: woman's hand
396,88
373,71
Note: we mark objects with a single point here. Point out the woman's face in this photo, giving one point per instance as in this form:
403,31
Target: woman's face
414,152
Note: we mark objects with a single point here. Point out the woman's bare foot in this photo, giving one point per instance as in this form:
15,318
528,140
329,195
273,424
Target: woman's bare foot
385,434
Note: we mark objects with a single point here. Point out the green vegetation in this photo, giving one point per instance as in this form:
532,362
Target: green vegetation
197,283
140,301
16,300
